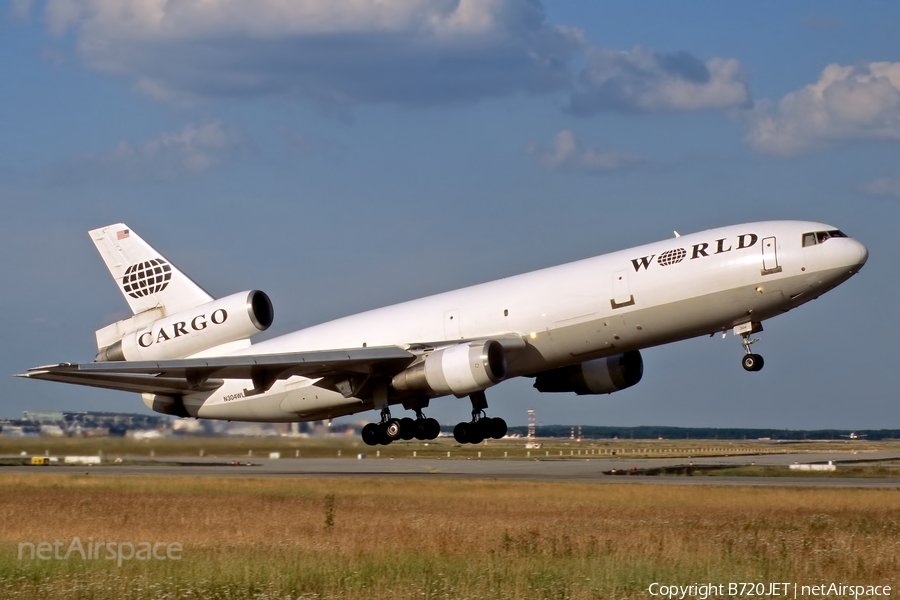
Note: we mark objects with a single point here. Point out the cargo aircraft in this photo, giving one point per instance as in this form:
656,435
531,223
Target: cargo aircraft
574,328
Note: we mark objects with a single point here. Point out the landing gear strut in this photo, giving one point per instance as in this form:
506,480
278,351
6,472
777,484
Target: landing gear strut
481,427
390,429
423,428
383,432
750,361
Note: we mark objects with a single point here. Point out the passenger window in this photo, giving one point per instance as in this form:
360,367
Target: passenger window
809,239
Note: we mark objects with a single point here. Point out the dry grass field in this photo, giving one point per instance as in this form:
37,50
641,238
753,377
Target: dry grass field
512,448
437,538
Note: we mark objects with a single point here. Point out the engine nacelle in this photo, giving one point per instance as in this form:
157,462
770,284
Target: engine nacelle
600,376
167,405
458,370
229,319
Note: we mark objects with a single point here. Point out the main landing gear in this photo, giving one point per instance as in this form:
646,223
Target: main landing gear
481,427
750,361
389,429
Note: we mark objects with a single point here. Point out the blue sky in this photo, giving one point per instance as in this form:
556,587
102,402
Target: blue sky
344,156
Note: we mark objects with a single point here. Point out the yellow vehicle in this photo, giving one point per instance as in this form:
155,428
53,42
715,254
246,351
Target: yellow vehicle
40,460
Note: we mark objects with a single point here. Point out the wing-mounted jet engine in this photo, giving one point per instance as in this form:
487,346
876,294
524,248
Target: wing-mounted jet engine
600,376
460,370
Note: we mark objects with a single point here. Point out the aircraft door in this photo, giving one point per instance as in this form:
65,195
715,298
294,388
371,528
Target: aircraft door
451,325
621,290
770,257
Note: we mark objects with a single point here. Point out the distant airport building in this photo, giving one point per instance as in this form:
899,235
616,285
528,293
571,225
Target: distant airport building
43,416
82,424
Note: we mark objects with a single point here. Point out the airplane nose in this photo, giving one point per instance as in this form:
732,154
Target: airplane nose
859,254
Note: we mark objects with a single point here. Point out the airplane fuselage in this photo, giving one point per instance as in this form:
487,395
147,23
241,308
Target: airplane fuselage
654,294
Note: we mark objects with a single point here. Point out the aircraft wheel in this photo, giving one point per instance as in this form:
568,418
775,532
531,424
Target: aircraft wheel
392,429
498,428
461,433
476,433
383,438
421,429
759,362
432,428
752,362
370,434
407,428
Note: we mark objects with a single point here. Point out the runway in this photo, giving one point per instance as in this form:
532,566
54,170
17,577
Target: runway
595,470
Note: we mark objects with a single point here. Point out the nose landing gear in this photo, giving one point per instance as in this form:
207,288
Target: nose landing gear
750,361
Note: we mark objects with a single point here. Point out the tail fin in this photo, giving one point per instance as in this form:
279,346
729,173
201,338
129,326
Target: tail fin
146,279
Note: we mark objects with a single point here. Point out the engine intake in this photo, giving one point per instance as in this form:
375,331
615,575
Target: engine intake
236,317
458,370
600,376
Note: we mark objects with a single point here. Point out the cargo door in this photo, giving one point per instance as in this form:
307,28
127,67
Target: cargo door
451,325
770,257
621,290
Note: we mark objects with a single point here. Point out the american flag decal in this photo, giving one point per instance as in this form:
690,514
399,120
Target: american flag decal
121,235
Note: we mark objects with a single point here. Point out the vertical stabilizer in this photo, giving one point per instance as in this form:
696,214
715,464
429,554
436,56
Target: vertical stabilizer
146,279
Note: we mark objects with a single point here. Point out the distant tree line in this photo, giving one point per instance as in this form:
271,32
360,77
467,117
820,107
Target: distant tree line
706,433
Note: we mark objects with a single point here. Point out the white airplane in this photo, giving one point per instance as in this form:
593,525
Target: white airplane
577,327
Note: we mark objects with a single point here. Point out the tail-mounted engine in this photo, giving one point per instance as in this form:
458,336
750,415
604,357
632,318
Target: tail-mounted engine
458,370
600,376
236,317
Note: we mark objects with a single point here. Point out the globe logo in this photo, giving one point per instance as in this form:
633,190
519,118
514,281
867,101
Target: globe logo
671,257
147,278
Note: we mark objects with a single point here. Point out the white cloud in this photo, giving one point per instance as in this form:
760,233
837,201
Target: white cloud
566,153
846,104
409,52
642,80
189,19
885,186
337,53
169,156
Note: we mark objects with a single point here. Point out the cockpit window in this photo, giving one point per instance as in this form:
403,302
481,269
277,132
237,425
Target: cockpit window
819,237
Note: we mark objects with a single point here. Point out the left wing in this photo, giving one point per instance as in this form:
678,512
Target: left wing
191,375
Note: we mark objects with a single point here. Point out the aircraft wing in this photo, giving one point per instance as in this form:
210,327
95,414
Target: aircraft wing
191,375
